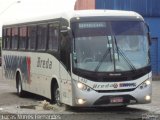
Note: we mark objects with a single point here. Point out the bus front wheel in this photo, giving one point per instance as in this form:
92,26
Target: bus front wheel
20,91
56,94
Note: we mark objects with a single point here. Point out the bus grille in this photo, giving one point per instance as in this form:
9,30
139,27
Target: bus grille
114,91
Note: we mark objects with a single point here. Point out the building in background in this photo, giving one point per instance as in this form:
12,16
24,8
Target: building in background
149,9
84,4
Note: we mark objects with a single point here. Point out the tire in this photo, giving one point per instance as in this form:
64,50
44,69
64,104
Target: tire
56,96
20,91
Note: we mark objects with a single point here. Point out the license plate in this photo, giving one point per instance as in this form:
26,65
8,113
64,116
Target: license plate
116,100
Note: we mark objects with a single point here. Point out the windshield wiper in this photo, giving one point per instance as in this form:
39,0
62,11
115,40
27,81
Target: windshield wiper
104,56
123,55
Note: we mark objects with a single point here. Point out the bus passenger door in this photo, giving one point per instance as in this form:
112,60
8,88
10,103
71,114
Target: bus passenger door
65,76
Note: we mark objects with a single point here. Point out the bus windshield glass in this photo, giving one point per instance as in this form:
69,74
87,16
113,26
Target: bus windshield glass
110,46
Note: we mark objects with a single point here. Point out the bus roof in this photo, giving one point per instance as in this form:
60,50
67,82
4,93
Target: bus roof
79,13
109,13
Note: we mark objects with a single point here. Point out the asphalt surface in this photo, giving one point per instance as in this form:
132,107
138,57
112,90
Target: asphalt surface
11,105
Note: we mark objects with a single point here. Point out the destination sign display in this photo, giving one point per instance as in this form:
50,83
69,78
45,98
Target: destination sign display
85,25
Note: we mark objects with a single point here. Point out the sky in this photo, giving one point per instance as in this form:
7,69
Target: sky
21,9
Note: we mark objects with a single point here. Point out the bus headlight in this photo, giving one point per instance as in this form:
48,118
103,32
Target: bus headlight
148,82
83,87
145,84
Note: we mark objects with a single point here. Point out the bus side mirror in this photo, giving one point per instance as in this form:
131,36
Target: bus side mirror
148,34
65,29
149,39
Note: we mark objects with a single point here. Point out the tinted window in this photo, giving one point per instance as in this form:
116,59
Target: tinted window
23,37
32,37
14,37
127,27
42,36
53,36
4,38
8,38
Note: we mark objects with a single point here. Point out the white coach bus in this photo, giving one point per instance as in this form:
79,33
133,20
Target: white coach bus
81,58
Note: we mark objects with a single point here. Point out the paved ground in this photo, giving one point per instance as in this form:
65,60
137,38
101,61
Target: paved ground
11,103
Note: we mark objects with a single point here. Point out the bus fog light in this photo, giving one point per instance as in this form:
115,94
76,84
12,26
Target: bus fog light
81,101
147,98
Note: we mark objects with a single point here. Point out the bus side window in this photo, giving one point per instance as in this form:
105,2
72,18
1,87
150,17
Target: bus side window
32,33
14,37
53,36
4,38
42,36
8,38
23,37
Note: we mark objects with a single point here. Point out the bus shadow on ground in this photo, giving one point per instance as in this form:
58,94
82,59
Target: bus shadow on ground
113,109
31,96
82,110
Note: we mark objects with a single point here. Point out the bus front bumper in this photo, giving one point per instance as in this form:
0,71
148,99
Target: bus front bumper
94,98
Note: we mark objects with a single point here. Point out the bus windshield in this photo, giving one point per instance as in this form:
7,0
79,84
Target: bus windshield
110,46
